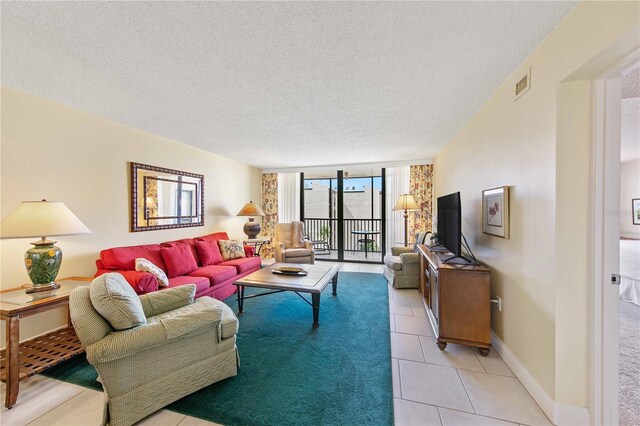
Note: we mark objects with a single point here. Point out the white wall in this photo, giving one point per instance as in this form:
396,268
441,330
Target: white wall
629,189
515,143
55,152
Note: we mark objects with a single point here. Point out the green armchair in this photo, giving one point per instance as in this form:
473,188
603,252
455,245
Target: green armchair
402,267
164,347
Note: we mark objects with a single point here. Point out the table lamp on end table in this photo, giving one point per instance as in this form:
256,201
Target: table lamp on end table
42,219
251,228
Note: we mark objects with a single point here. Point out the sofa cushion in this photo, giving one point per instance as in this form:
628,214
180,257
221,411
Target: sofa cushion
209,252
141,282
215,273
125,257
297,252
114,299
144,265
179,260
231,249
214,237
202,283
243,264
191,242
393,262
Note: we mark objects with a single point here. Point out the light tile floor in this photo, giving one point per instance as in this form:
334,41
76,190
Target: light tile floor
457,386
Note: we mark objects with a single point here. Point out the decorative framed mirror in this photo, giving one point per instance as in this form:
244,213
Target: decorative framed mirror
165,198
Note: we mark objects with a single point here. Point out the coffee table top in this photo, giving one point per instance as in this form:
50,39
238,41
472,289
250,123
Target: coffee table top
317,278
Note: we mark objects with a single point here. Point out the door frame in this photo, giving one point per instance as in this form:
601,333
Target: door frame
605,235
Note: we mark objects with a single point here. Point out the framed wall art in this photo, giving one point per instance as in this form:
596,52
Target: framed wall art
635,210
495,212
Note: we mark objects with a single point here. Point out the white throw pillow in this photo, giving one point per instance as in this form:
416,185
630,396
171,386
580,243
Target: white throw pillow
113,297
145,265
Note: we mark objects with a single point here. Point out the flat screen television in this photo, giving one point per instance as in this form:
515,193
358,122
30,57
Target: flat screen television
450,223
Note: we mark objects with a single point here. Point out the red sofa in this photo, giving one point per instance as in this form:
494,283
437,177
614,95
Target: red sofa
215,280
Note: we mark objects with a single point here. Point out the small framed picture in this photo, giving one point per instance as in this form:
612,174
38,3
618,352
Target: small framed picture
635,210
495,212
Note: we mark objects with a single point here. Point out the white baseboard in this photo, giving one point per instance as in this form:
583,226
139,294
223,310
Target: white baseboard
560,414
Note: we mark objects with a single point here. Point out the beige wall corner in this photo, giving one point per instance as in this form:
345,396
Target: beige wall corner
55,152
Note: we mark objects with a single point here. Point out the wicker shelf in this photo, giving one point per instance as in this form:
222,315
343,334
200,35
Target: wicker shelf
43,352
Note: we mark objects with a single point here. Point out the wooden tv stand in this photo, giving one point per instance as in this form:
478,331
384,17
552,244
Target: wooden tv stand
457,299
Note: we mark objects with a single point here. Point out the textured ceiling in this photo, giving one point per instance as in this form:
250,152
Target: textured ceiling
277,84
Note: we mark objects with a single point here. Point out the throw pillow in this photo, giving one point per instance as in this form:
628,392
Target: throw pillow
297,234
112,296
144,265
209,252
178,259
231,249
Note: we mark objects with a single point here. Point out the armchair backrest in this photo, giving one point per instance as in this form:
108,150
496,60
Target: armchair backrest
287,232
90,326
283,233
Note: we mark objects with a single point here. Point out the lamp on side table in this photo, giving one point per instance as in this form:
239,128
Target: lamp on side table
42,219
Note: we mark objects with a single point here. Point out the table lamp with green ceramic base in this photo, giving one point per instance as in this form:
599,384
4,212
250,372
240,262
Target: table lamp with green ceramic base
42,219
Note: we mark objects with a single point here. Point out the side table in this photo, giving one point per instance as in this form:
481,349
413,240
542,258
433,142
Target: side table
20,361
257,243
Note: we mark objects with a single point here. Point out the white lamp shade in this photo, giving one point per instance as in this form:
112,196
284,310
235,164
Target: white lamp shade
41,219
406,202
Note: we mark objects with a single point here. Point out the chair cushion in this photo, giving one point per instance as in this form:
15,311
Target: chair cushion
114,299
202,283
393,262
297,252
145,265
179,260
244,264
231,249
215,273
209,252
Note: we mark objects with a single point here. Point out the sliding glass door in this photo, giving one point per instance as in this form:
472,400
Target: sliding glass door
344,215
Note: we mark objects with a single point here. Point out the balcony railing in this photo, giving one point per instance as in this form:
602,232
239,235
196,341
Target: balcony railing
327,230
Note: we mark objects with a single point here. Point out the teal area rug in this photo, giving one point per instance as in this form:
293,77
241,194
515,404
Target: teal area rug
337,374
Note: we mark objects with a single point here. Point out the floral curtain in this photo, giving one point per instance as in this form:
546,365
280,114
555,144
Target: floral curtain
420,186
270,209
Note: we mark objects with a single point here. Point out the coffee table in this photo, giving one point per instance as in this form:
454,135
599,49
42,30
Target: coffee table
316,280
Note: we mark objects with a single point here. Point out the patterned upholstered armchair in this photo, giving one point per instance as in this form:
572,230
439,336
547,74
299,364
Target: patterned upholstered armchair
153,349
290,246
402,267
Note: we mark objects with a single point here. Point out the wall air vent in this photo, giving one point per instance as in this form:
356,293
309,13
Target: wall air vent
523,85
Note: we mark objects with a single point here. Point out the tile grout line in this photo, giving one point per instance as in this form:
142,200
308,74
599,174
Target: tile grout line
63,402
466,391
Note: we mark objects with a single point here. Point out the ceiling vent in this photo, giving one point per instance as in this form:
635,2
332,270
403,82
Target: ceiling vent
523,85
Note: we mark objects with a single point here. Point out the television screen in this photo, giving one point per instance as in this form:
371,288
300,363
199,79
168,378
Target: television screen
450,223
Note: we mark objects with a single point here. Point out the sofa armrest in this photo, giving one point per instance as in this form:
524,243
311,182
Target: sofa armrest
160,302
406,258
397,251
169,326
141,282
308,245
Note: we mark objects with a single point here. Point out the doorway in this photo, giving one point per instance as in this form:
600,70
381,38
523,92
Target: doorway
629,239
344,215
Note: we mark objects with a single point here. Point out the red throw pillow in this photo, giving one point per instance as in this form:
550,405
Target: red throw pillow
209,252
178,259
